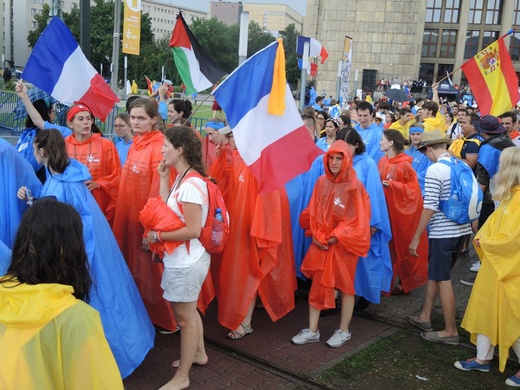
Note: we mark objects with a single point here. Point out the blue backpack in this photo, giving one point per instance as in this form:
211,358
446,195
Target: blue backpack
465,201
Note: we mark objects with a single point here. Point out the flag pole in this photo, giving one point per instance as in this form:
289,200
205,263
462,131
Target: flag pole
197,108
502,37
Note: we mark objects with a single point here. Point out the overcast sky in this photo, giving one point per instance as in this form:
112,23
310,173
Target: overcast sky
298,5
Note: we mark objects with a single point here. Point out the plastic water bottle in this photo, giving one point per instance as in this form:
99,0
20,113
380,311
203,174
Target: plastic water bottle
218,230
455,209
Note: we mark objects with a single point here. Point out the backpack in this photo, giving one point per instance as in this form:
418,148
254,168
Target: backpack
466,197
214,233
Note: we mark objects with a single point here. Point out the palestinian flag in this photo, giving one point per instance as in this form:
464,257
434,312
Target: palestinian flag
196,68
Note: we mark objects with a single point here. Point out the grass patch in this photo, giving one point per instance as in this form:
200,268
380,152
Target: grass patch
394,362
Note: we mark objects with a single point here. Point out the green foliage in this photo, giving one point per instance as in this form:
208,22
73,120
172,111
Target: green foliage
217,38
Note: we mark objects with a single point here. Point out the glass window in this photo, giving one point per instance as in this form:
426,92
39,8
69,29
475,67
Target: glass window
426,73
451,13
493,11
516,13
33,11
443,70
514,47
488,37
475,11
448,43
429,46
433,11
471,47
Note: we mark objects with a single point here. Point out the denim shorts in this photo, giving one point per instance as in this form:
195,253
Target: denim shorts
184,284
442,255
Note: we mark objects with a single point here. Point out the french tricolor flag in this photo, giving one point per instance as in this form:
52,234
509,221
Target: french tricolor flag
315,48
58,66
268,130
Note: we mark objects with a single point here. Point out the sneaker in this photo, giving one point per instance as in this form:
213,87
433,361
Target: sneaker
475,267
468,281
306,336
514,381
472,364
339,338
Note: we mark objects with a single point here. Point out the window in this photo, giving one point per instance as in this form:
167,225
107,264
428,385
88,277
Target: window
488,37
429,46
493,11
33,24
451,13
514,48
448,43
471,47
475,11
33,11
443,70
433,11
426,73
516,13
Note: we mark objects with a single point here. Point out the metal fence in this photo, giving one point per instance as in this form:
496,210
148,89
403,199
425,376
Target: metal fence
11,126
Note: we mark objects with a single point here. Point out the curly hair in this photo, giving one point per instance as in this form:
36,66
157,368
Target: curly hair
185,137
53,144
49,248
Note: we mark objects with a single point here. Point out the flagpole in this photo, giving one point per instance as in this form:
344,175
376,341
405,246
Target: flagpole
197,108
502,37
305,65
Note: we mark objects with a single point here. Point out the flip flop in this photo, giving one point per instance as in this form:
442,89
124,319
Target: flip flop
235,335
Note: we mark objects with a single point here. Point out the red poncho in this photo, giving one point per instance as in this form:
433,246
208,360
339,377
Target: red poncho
339,207
139,182
258,256
100,156
405,205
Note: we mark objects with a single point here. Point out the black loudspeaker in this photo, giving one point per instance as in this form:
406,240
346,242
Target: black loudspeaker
369,79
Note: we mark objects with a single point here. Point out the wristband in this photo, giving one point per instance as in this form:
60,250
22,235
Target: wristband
159,237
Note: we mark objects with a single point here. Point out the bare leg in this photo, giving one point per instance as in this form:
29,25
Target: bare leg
448,308
248,317
188,320
201,358
314,317
347,308
432,289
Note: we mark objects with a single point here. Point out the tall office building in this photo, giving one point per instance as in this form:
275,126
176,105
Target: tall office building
407,40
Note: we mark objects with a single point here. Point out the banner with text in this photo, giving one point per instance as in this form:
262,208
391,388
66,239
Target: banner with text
344,91
132,27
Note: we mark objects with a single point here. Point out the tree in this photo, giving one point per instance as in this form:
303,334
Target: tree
257,39
291,60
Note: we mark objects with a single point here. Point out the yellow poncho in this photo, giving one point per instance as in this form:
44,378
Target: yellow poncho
494,306
51,340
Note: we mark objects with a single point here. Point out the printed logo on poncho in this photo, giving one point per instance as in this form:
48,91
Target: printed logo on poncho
337,202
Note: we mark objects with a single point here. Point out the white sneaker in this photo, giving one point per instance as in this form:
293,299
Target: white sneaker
475,267
306,336
339,338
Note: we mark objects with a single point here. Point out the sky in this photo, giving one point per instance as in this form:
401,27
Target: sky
298,5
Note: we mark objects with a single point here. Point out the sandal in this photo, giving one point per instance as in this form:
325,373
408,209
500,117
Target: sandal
235,335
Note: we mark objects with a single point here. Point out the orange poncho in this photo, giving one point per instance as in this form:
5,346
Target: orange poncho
405,205
100,156
140,181
339,207
258,256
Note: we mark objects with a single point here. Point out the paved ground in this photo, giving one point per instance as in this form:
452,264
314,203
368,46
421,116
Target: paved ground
267,359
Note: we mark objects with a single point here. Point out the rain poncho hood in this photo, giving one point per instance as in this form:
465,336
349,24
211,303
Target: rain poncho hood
54,340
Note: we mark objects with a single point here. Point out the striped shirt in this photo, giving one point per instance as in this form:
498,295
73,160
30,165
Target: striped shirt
437,187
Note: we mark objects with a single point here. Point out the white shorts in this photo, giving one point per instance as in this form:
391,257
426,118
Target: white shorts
184,284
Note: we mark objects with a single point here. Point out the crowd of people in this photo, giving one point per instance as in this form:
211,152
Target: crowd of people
117,225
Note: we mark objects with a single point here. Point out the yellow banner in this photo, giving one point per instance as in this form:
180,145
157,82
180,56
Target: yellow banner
132,27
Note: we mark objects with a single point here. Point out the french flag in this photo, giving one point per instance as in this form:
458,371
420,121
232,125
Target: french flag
268,130
315,48
311,70
58,66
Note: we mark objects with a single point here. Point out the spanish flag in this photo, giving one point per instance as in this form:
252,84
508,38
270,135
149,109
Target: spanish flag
493,79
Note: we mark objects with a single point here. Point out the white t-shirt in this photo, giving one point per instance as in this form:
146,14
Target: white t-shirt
191,190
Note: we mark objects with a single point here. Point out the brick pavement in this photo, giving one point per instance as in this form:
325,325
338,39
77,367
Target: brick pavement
267,359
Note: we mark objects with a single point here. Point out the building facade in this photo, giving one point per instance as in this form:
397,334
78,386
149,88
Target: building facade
18,20
273,18
407,40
